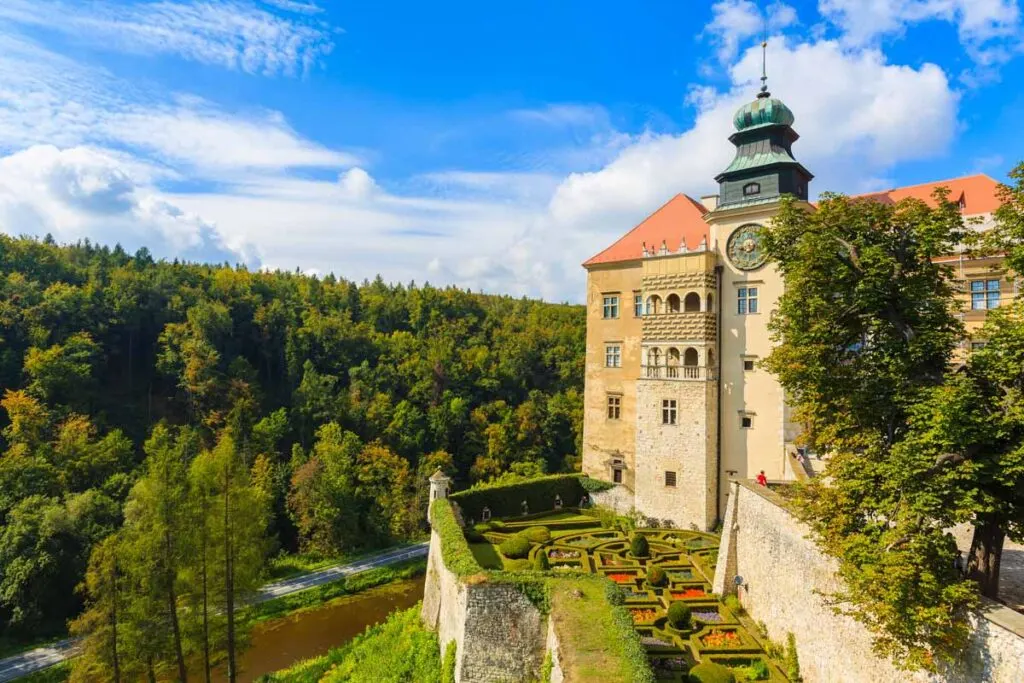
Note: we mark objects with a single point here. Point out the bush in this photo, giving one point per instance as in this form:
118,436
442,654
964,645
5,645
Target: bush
538,534
613,593
515,547
448,663
709,672
792,663
506,500
733,603
656,576
595,485
541,562
759,671
474,536
679,615
454,548
497,524
638,546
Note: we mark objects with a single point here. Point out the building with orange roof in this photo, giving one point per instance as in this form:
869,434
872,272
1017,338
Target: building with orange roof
677,315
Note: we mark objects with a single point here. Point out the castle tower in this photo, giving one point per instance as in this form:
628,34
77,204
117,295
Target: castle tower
439,485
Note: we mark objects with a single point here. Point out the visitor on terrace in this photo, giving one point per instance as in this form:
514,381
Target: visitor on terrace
762,479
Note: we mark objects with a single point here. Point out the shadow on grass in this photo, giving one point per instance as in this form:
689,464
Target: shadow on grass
486,555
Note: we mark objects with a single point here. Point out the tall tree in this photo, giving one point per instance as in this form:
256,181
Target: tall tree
237,518
864,330
98,625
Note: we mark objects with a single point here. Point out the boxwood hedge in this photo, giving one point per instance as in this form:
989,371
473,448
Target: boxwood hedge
454,548
506,500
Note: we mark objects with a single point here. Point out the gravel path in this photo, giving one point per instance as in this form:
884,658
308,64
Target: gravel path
40,658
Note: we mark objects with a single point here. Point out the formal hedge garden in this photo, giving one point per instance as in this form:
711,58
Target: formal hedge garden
661,582
507,500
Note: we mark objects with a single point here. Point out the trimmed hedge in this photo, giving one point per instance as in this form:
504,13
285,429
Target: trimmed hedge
538,534
454,548
592,485
709,672
507,500
515,547
541,562
679,615
656,577
638,546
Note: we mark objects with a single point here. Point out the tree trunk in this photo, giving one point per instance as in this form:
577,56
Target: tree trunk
113,629
150,671
206,608
172,606
229,588
986,554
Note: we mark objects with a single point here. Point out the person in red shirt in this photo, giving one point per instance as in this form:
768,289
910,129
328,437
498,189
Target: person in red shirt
761,479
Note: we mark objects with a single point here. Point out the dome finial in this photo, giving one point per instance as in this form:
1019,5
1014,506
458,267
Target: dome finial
764,63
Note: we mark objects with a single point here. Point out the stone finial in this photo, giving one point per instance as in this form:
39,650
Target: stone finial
703,244
643,247
664,248
683,249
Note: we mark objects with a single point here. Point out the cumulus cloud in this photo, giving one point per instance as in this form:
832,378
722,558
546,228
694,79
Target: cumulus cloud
229,33
734,21
989,29
82,192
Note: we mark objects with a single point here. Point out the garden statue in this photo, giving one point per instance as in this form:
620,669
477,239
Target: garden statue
485,515
558,502
526,508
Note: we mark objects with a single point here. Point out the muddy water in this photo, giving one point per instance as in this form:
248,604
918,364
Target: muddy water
279,643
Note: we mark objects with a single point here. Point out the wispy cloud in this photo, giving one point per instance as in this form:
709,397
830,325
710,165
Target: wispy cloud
228,33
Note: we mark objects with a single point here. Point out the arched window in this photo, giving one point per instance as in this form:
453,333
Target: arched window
691,304
711,303
672,303
751,189
653,304
654,357
691,357
672,358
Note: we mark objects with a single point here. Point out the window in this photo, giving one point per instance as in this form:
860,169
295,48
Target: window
984,294
977,345
611,306
668,411
751,189
746,421
614,407
746,300
612,356
670,478
617,476
748,364
638,304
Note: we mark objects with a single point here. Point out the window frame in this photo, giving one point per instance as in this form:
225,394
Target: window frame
609,355
752,189
986,296
669,412
614,404
638,304
747,300
610,306
670,479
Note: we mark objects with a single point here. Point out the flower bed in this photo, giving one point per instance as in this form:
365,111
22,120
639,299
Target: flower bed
689,594
708,617
718,639
622,578
643,616
557,554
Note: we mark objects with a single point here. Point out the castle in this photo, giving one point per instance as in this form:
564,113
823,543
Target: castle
677,313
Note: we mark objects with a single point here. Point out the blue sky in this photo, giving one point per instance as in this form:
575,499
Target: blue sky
489,145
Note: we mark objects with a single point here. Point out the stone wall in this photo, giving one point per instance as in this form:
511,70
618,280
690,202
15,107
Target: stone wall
783,575
552,645
686,448
618,498
499,634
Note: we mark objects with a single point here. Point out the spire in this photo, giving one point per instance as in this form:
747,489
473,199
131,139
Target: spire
764,94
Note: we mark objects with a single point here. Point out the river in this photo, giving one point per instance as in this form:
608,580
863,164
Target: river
279,643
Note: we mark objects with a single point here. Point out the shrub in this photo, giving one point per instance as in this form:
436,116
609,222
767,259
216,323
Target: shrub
454,548
506,500
474,536
792,663
679,615
709,672
638,546
538,534
595,485
541,563
656,576
613,593
448,663
733,603
497,524
759,671
515,547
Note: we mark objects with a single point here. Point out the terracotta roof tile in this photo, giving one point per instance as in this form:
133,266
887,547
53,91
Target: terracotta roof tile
978,193
682,217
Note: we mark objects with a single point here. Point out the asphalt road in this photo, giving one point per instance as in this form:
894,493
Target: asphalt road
25,663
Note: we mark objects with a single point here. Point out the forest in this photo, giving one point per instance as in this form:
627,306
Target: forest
168,426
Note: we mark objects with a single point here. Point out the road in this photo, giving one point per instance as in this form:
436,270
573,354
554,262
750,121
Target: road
25,663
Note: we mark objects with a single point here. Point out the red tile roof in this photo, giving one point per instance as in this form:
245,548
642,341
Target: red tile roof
978,193
681,218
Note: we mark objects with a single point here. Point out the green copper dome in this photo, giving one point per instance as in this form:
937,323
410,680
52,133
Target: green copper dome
761,111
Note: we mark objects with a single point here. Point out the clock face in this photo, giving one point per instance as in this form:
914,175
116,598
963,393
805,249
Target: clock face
745,249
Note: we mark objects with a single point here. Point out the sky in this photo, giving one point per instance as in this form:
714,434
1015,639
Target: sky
492,146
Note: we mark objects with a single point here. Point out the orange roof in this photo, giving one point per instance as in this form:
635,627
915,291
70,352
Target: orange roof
978,193
682,218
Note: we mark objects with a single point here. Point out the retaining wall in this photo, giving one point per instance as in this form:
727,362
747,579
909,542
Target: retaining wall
784,574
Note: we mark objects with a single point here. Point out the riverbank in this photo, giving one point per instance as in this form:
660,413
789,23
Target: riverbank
274,601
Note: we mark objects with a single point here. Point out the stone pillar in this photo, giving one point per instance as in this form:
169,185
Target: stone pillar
438,488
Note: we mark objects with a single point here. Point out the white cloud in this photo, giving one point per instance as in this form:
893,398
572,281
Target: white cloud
83,192
734,21
229,33
989,29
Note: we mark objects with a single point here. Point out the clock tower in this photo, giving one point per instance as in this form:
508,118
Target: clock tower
755,422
